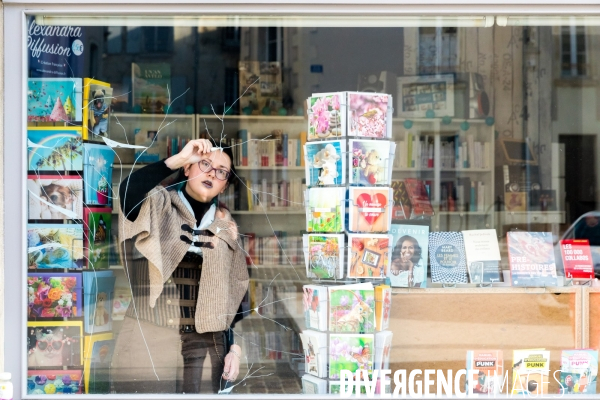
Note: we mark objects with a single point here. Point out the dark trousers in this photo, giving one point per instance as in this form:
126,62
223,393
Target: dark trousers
194,349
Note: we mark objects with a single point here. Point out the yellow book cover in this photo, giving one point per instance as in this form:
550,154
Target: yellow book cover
97,96
302,143
530,371
97,355
383,306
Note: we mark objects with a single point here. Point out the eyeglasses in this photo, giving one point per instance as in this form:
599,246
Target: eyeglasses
50,344
206,166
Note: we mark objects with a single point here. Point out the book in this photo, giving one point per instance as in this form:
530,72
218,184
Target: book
325,163
97,174
315,350
371,162
531,258
54,344
530,372
150,84
57,149
490,364
324,255
577,259
352,308
55,197
383,350
578,371
419,198
313,385
368,255
97,98
121,303
326,116
97,356
370,209
402,207
55,246
54,381
350,352
98,288
383,307
54,100
98,226
483,255
447,257
315,304
260,87
326,209
408,260
54,295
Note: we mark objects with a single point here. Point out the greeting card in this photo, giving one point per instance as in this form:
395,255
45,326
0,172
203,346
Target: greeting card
383,347
383,307
368,255
352,308
98,353
54,100
55,197
57,149
370,115
315,350
121,303
54,344
326,209
97,97
59,381
325,163
371,162
370,209
324,255
54,295
98,224
327,116
99,289
314,301
97,174
55,246
350,352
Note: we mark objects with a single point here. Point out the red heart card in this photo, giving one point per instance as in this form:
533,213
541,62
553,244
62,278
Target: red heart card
376,201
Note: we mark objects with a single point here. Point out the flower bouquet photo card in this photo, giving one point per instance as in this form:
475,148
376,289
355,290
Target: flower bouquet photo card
55,246
383,347
56,149
54,344
371,162
370,209
370,115
54,295
325,209
315,305
324,255
54,100
408,264
97,225
55,197
447,257
483,255
97,174
325,163
97,97
59,381
99,288
327,116
315,350
350,352
368,255
352,308
531,258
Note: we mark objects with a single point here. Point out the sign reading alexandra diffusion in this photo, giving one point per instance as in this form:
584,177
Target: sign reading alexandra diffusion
54,51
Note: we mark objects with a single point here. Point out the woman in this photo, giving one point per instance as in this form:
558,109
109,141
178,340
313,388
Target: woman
189,283
405,262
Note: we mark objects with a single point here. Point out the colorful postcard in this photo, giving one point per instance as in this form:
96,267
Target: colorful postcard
326,209
121,303
483,255
54,149
55,197
97,97
352,308
326,116
531,258
368,255
350,352
54,344
324,255
98,225
383,349
325,163
408,265
371,162
370,115
315,349
383,307
490,364
54,100
314,302
60,381
578,371
530,373
55,246
98,353
99,287
370,209
313,385
447,257
54,295
97,174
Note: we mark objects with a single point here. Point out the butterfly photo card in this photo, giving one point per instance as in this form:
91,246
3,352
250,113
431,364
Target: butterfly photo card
370,209
368,255
350,352
97,226
57,246
325,163
371,162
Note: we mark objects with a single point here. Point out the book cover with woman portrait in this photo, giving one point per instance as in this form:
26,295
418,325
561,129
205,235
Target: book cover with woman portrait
408,265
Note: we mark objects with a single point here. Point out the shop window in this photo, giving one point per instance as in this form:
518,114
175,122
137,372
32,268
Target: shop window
573,52
438,50
114,39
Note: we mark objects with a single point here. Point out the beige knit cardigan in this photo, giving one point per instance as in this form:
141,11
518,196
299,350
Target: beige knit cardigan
157,231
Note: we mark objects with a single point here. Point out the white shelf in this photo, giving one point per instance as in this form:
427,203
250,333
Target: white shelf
257,118
152,116
455,121
464,213
481,170
245,168
271,212
412,170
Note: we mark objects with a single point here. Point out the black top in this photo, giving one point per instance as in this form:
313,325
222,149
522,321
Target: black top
134,189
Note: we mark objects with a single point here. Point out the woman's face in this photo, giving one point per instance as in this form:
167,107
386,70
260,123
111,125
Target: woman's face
205,186
407,250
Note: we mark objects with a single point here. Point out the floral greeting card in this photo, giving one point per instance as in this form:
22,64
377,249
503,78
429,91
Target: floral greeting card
54,295
370,115
326,209
55,246
371,162
350,352
324,256
368,255
370,209
326,116
352,308
325,163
